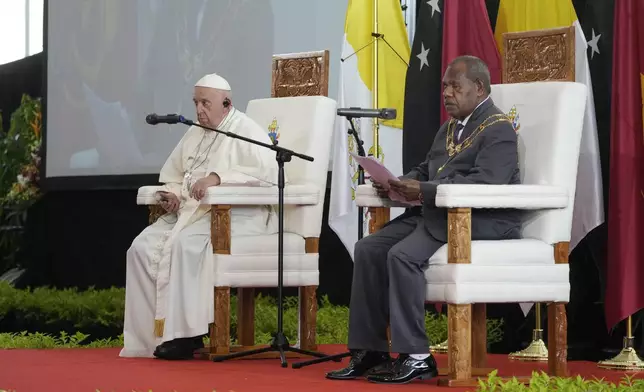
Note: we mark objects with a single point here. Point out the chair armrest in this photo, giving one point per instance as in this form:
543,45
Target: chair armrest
146,195
366,196
304,194
523,197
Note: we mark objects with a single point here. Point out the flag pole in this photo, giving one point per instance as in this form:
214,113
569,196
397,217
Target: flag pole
376,142
627,359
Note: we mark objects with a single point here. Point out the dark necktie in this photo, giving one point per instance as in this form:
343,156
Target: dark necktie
457,132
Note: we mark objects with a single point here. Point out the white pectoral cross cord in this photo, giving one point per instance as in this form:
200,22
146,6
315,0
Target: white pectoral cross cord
188,178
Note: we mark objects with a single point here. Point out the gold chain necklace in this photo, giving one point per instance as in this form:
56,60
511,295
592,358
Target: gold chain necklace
455,149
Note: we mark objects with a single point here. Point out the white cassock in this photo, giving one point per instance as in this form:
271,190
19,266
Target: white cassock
169,281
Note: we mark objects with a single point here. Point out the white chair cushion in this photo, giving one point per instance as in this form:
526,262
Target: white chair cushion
266,244
526,197
507,271
506,252
260,270
253,262
299,194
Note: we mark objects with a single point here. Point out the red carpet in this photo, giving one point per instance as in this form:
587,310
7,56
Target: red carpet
89,370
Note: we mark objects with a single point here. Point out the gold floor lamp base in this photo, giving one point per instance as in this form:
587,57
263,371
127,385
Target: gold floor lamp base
439,348
627,359
536,351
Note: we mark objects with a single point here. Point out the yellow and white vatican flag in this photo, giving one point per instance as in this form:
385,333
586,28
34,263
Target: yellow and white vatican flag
358,77
527,15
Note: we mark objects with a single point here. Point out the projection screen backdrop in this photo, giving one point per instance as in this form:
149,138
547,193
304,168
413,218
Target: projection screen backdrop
112,62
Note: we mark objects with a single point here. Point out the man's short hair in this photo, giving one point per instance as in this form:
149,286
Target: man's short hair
476,69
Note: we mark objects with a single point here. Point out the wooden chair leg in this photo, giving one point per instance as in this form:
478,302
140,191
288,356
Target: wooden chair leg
479,336
220,334
558,324
459,356
379,217
557,340
309,304
246,316
308,315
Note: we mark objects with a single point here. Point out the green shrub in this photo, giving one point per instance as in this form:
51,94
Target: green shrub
97,315
19,176
20,153
38,340
540,381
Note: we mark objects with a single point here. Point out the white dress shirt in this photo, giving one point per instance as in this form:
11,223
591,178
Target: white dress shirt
464,122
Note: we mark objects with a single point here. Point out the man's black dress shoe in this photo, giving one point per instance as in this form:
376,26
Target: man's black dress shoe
362,362
407,369
183,348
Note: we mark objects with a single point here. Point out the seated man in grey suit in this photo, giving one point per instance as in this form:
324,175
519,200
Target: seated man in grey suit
478,145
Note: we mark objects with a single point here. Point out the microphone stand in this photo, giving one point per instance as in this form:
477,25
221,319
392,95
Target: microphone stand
360,148
279,343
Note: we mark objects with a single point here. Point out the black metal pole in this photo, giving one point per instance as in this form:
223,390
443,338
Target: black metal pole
360,148
280,246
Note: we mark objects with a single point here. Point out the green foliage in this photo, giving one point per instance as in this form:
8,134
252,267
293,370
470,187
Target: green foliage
20,154
45,306
541,382
36,316
436,327
25,340
332,321
19,176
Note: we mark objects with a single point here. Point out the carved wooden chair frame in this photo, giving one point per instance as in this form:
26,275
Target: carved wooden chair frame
295,74
530,56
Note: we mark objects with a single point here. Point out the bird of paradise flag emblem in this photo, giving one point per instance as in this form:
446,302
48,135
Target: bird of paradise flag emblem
273,131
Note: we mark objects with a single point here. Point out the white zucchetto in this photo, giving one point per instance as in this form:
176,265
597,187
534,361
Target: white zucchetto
213,81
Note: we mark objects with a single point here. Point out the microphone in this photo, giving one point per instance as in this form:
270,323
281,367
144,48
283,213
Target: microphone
154,119
386,114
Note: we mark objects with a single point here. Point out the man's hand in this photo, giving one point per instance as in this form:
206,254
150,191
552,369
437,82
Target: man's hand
198,190
169,202
408,188
382,192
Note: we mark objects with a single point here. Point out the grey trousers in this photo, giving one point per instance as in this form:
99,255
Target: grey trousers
389,286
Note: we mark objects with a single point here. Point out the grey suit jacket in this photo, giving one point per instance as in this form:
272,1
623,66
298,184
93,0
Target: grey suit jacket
491,158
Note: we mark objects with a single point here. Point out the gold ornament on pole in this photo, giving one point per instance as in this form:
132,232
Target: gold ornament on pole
537,350
627,359
440,348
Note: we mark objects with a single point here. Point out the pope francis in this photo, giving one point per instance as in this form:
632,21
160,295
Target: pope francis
169,282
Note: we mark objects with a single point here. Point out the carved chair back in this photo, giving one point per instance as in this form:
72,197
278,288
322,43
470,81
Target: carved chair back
300,74
539,55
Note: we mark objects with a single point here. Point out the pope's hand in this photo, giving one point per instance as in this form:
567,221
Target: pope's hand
406,187
169,202
198,190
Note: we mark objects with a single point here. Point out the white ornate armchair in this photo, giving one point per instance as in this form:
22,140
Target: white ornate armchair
467,274
305,125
